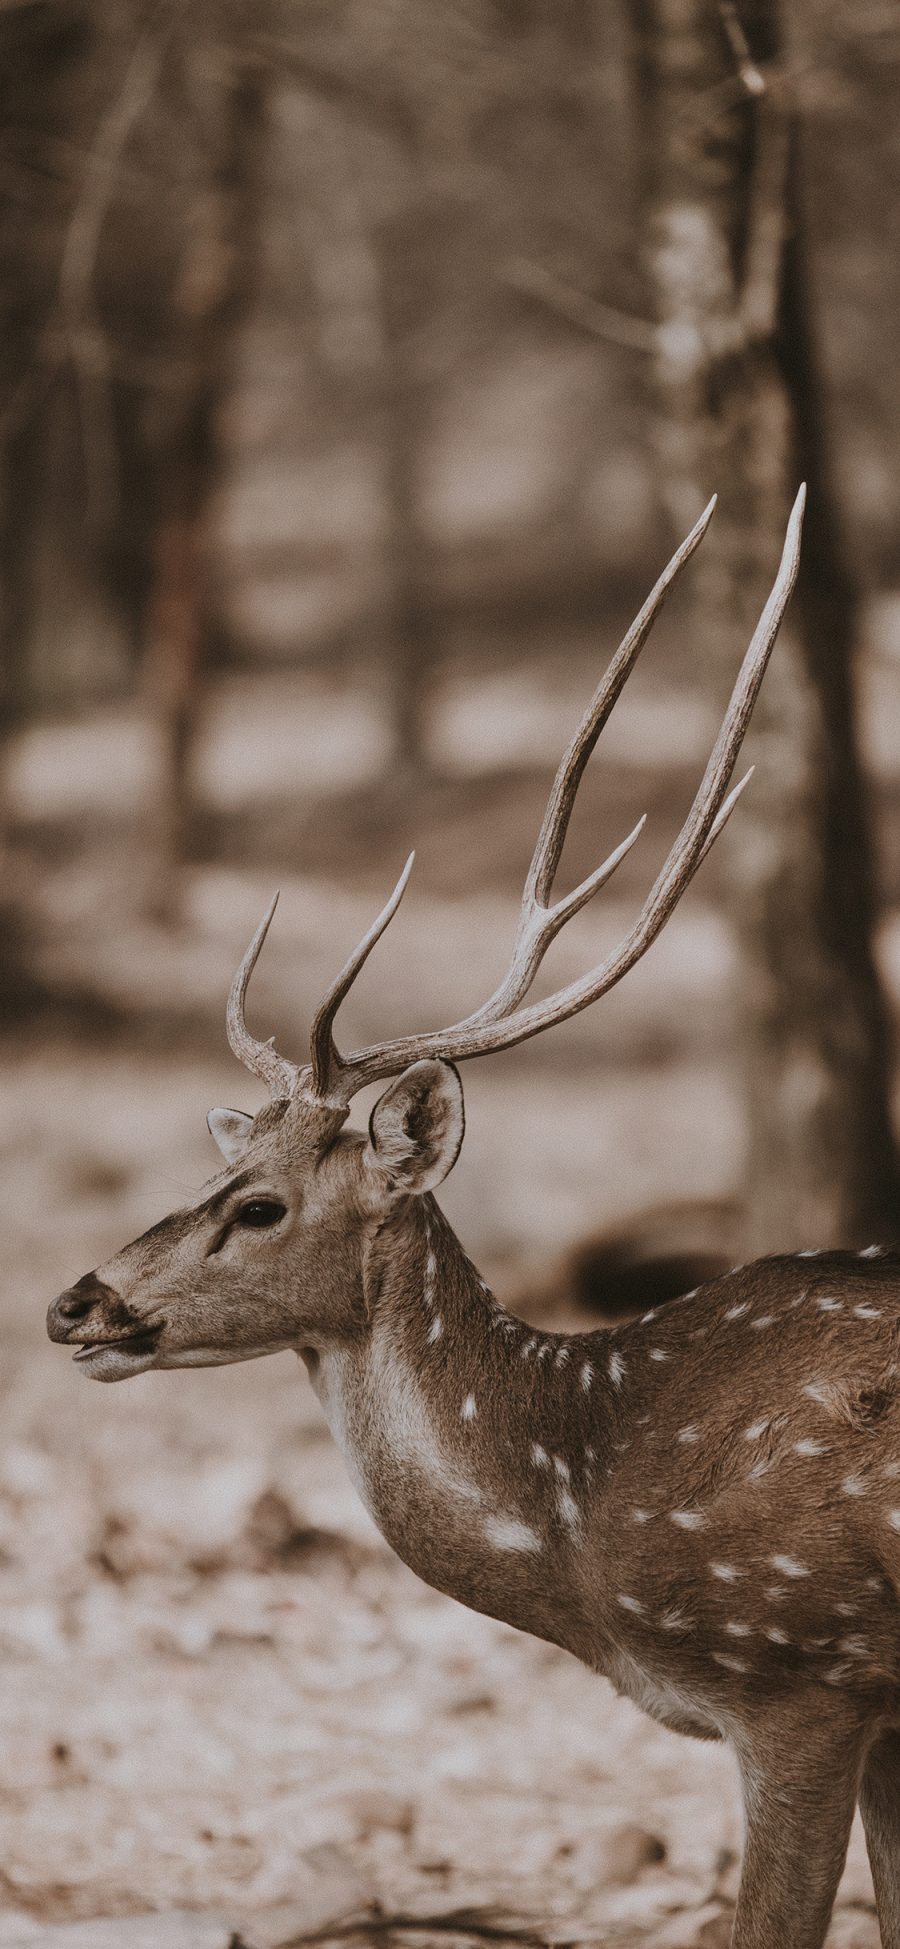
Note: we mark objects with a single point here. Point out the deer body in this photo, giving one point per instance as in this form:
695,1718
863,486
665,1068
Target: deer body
703,1505
508,1467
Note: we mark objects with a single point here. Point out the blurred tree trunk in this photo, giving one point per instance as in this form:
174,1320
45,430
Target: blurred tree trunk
217,281
414,635
127,253
41,47
741,411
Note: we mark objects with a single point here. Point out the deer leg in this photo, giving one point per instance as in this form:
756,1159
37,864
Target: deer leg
800,1784
879,1803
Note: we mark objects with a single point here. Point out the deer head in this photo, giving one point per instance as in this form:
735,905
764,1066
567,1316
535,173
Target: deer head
276,1252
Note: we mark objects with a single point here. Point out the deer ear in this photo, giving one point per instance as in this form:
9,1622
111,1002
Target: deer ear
231,1131
417,1127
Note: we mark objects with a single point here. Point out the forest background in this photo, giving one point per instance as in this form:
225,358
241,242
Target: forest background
360,366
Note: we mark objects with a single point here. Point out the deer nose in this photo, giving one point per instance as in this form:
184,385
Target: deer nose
73,1305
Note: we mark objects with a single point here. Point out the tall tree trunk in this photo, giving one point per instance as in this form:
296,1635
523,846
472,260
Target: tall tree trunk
414,634
741,411
221,235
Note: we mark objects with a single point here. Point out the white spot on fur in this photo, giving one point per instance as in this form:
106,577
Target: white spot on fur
435,1330
659,1353
809,1447
737,1630
830,1305
687,1518
544,1350
726,1572
731,1664
562,1355
891,1469
468,1410
528,1348
640,1515
818,1391
616,1369
872,1251
539,1455
568,1509
867,1312
894,1518
675,1621
775,1636
853,1485
789,1566
647,1317
562,1469
812,1252
737,1312
630,1604
587,1375
507,1533
689,1434
758,1428
766,1319
759,1468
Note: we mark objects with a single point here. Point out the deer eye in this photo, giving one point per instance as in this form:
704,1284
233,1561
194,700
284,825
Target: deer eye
259,1212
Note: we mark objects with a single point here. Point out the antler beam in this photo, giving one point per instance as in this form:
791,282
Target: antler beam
502,1020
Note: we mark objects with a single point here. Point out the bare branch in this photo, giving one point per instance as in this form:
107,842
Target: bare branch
752,77
85,337
588,314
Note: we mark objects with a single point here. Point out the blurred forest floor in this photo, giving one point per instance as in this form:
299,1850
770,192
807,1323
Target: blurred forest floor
217,1683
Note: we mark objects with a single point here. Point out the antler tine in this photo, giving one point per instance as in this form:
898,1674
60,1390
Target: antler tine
261,1058
539,926
724,814
325,1062
483,1033
551,838
539,923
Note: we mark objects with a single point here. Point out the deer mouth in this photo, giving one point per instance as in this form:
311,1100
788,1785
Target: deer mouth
116,1359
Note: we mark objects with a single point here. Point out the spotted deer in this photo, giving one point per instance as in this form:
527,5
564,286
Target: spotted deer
703,1504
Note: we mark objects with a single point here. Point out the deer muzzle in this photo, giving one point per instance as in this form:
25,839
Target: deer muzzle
110,1341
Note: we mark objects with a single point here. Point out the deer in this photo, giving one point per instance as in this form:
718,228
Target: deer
702,1504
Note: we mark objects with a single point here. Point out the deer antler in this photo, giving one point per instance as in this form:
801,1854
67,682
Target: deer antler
502,1020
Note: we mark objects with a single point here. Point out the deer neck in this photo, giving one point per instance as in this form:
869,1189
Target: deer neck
477,1443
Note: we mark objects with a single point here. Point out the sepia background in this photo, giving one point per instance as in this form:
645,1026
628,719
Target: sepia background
360,367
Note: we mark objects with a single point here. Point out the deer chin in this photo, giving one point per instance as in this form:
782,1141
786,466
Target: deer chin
170,1357
118,1360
